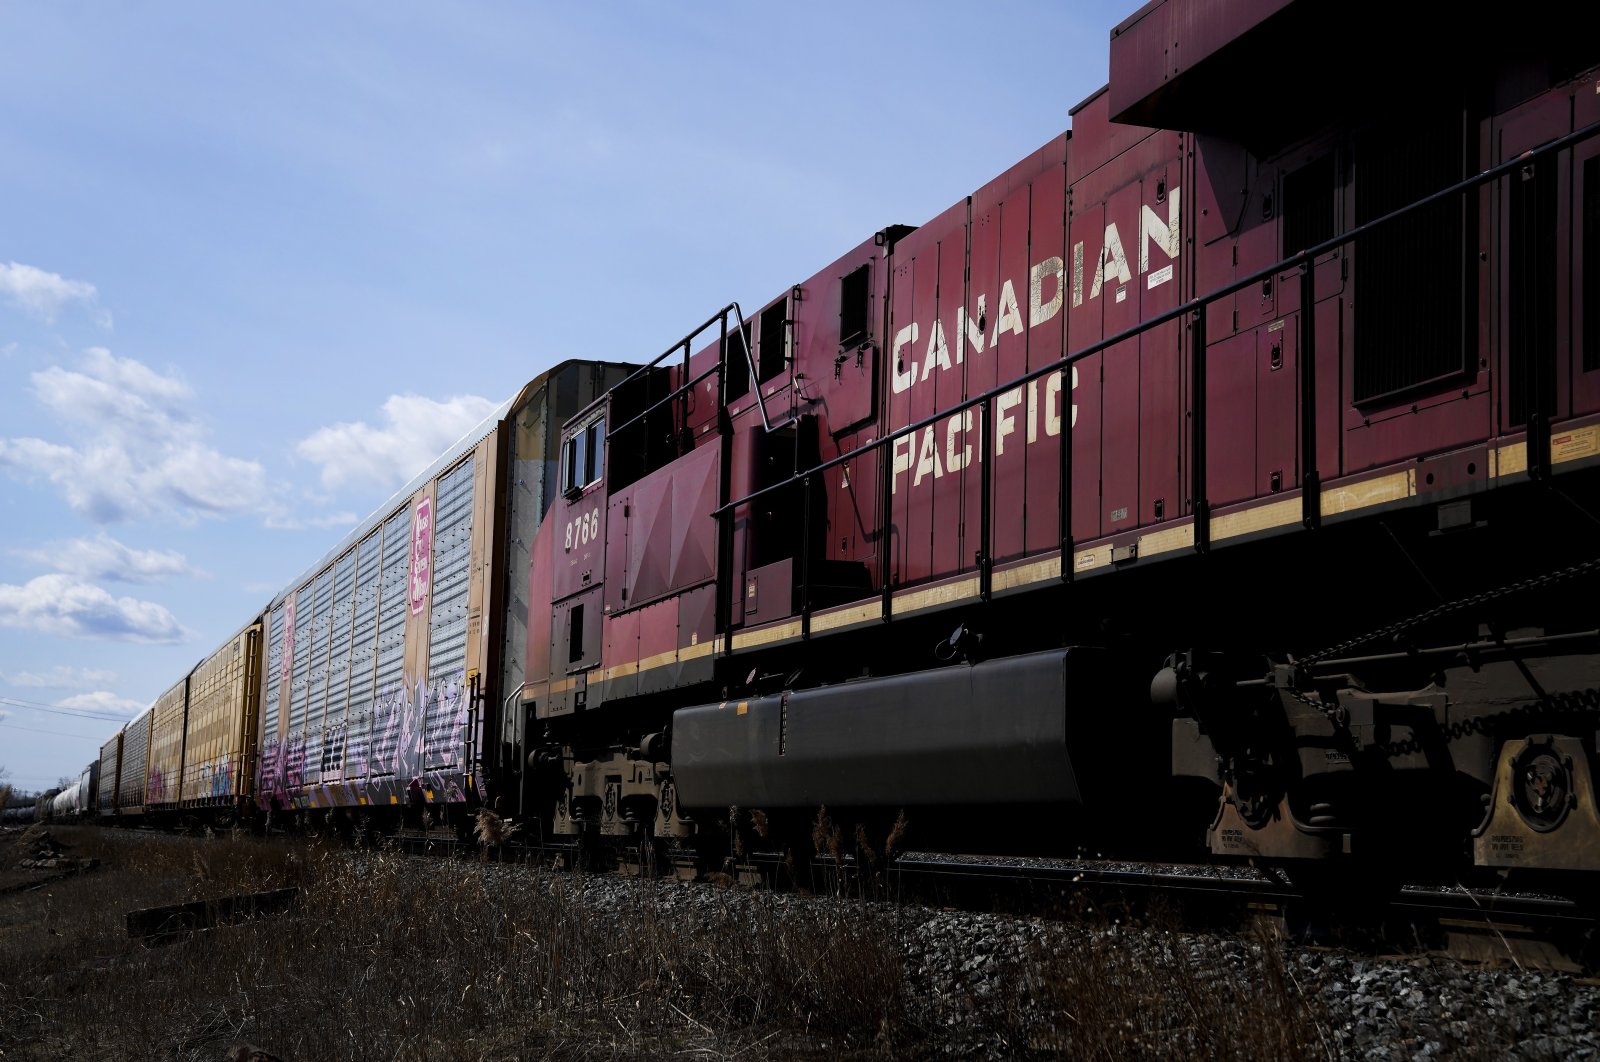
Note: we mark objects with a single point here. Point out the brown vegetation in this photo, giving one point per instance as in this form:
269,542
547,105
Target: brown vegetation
392,957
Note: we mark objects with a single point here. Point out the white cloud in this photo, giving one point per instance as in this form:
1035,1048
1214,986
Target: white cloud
102,701
284,522
62,677
415,430
61,604
137,450
42,294
103,557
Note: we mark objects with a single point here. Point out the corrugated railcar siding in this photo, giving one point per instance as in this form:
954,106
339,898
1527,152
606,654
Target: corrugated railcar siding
135,763
322,605
452,556
165,779
339,644
392,602
110,763
447,625
300,660
393,607
214,759
271,697
363,655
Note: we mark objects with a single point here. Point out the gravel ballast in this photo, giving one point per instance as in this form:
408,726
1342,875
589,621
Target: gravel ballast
976,980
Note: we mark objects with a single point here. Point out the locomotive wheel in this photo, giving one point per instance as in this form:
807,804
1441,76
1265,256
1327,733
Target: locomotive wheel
1542,788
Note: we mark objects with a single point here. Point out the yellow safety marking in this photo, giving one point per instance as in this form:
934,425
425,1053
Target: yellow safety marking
1023,574
651,663
844,617
933,596
766,635
1508,460
743,709
1088,559
1369,492
362,799
1574,444
430,794
1167,540
1256,518
622,670
393,799
658,659
563,686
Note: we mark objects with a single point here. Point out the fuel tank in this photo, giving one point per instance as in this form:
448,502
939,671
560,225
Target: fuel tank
986,733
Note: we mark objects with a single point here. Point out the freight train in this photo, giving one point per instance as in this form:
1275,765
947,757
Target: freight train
1218,481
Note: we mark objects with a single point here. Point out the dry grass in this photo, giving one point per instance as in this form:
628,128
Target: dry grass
1105,999
392,957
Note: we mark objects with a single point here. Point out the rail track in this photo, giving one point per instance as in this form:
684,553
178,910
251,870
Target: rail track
1471,924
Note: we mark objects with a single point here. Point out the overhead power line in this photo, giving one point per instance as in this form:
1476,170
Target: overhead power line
103,714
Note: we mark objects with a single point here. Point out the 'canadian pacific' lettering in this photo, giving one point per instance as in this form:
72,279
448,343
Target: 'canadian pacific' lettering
914,360
950,445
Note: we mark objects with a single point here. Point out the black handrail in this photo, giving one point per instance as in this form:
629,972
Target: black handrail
686,345
630,422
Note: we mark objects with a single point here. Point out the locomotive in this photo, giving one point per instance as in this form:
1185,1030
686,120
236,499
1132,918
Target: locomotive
1218,481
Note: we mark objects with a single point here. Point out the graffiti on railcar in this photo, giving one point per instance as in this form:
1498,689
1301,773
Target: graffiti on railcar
332,764
271,790
294,762
215,780
413,734
310,758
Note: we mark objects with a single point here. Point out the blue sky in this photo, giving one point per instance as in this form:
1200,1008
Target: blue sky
260,262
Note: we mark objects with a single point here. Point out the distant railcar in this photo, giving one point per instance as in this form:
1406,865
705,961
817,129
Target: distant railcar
109,778
133,769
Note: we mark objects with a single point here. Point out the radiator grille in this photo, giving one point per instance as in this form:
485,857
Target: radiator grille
1531,291
1410,276
1591,264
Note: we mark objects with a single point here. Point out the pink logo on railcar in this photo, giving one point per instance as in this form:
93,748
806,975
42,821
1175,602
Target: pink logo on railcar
421,554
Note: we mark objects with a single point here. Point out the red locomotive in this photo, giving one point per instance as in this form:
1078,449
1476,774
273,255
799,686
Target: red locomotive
1221,476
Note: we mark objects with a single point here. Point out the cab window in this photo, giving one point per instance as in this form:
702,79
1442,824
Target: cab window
584,457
